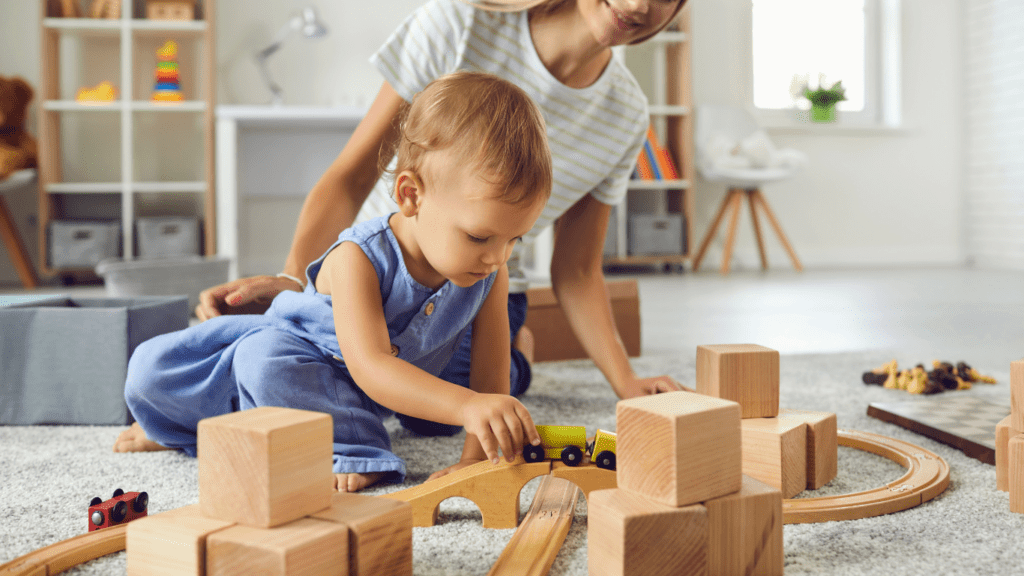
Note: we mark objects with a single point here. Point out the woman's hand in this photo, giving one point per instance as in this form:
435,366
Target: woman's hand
243,296
648,386
499,421
457,466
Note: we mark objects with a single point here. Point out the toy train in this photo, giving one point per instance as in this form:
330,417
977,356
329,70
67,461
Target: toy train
123,507
569,444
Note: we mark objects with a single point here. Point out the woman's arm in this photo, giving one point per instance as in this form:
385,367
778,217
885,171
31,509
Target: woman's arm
577,279
493,418
330,207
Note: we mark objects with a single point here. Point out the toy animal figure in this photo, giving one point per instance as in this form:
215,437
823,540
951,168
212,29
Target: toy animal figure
123,507
18,149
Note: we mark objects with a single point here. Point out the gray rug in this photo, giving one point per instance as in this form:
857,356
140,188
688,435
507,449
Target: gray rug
49,474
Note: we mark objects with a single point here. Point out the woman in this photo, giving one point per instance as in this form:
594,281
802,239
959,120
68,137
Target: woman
559,52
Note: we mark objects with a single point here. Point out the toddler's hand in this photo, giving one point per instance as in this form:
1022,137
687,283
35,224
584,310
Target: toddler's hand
499,421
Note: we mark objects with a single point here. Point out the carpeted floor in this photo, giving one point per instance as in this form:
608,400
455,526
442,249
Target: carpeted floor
49,474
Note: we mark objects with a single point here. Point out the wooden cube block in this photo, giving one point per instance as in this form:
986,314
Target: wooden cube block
380,533
1017,396
1016,476
678,448
775,452
303,547
822,444
171,543
266,466
745,531
1003,435
744,373
629,535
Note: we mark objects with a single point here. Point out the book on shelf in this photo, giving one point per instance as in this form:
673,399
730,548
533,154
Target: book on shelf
654,161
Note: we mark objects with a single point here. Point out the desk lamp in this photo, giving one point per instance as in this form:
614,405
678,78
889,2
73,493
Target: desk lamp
308,23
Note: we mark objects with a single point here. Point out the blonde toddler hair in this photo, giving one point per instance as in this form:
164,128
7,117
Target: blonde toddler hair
490,122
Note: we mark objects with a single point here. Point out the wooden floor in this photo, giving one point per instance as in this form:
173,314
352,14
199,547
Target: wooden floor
920,314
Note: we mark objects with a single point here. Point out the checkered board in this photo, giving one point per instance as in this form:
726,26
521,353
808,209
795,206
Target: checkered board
962,421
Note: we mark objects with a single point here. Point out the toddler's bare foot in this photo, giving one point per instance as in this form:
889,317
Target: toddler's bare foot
134,440
356,482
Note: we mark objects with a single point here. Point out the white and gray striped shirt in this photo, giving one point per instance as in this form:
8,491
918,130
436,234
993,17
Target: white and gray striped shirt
595,133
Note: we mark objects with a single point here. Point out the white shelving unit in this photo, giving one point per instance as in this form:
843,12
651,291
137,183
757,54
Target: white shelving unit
78,51
670,106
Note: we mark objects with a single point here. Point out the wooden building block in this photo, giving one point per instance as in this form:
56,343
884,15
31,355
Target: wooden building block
822,444
1017,396
745,531
744,373
266,466
303,547
678,448
629,535
171,544
775,452
554,338
1016,457
379,533
1003,434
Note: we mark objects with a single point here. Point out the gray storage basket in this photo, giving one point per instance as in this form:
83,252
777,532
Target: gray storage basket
83,243
164,276
167,237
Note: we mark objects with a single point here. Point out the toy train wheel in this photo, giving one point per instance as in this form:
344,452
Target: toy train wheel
533,453
140,503
118,492
95,501
97,518
572,455
119,512
606,460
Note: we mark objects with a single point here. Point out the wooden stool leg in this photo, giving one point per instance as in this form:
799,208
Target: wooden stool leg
730,238
19,255
757,229
778,229
713,228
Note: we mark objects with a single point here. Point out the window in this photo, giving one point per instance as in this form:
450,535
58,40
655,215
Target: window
814,42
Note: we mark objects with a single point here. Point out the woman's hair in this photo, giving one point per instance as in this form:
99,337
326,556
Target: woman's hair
489,122
548,6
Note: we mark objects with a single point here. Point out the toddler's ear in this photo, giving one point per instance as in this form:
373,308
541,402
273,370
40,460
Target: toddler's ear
408,192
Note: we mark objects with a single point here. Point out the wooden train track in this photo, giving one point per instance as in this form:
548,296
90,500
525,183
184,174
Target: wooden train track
535,544
927,476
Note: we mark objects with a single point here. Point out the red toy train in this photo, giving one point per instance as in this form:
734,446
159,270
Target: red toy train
121,508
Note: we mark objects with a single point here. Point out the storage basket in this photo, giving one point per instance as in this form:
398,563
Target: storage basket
162,277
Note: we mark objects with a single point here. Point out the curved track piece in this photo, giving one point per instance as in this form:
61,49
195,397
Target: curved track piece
494,488
927,476
535,544
587,477
58,557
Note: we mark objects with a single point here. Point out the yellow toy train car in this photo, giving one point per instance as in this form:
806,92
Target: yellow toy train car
569,444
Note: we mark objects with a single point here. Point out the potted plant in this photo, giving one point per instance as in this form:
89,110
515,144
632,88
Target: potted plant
823,100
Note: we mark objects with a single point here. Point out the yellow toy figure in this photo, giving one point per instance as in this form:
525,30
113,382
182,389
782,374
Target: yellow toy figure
103,93
168,86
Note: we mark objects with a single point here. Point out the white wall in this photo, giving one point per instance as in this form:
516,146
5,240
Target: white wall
864,199
995,133
890,199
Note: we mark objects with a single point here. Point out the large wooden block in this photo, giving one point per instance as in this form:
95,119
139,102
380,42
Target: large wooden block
300,548
1003,434
266,466
1016,456
775,452
678,448
554,338
170,544
379,531
744,373
822,444
745,531
1017,396
629,535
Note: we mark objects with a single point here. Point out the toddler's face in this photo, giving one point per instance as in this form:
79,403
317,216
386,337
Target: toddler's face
464,229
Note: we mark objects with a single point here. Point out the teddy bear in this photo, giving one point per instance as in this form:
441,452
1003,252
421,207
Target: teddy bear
18,148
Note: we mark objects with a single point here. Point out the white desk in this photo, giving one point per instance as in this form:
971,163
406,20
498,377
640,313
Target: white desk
268,158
